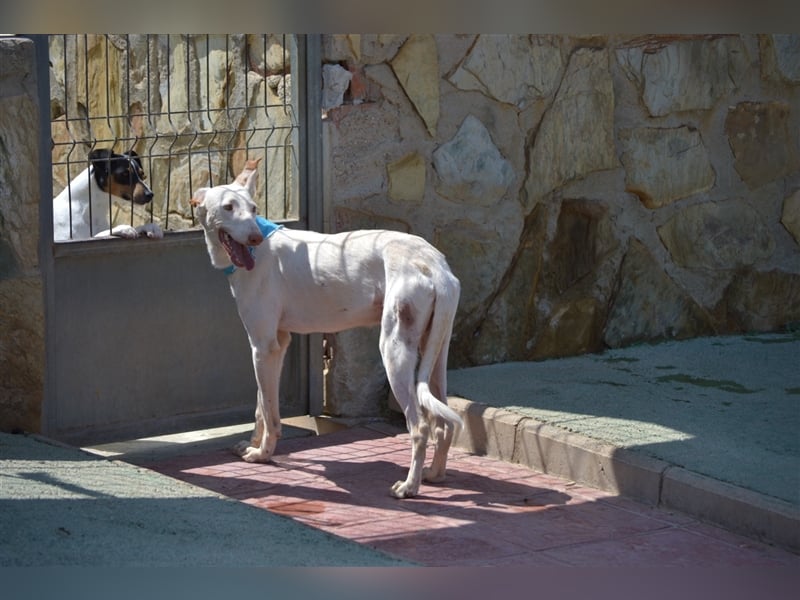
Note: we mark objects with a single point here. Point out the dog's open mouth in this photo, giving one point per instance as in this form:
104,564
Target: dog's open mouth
238,253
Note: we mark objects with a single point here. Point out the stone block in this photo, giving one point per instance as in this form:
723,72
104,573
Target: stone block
790,215
684,75
356,379
732,507
764,143
22,350
511,68
471,169
487,431
664,165
335,81
762,301
416,67
649,305
787,55
576,134
407,179
584,237
506,322
717,235
559,452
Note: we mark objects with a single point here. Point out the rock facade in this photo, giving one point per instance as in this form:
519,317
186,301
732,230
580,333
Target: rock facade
22,347
588,191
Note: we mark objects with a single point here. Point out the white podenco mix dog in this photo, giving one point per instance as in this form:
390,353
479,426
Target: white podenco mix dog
287,280
82,209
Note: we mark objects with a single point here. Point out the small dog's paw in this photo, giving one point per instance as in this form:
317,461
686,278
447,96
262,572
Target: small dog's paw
401,489
151,230
125,231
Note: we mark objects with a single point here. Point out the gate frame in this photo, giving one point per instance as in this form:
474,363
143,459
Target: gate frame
308,348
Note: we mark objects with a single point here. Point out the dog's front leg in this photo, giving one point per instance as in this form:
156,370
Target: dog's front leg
268,362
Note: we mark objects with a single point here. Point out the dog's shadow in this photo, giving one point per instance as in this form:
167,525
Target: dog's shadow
304,486
367,484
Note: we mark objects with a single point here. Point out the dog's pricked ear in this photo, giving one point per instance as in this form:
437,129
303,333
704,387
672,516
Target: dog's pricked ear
248,178
197,202
199,196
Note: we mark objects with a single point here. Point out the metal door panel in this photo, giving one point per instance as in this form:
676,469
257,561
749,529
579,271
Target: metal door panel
147,339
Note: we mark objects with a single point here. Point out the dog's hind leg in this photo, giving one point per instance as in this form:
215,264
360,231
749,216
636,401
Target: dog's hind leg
400,371
258,429
442,429
399,340
433,366
268,362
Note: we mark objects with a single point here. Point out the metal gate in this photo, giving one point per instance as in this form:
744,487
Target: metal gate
143,336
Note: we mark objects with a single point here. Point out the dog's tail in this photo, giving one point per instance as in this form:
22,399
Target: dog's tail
445,304
437,408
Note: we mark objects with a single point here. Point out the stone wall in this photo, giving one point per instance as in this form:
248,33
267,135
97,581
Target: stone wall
21,296
589,192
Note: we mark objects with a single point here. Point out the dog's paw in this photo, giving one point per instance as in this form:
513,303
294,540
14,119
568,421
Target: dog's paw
431,476
402,489
151,230
251,454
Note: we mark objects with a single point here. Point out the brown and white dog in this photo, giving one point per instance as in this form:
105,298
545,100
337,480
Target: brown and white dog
82,209
288,280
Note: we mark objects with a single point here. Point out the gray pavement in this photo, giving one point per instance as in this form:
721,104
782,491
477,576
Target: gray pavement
61,506
709,421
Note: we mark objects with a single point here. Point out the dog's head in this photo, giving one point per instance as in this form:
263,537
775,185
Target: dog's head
227,214
120,175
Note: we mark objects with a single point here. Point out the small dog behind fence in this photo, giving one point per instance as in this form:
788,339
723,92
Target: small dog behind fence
82,210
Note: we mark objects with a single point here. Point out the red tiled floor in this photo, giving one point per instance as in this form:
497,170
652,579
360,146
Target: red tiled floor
487,512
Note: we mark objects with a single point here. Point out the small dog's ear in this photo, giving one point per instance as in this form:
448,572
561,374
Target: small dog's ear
100,165
100,154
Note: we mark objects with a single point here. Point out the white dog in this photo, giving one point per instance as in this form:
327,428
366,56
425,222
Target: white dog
82,209
287,280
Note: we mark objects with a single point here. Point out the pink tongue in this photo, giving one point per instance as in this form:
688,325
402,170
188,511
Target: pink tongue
238,253
249,263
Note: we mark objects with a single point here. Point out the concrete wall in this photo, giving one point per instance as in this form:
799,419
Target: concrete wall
21,296
589,192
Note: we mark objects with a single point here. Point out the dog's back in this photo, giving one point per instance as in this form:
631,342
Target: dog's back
71,211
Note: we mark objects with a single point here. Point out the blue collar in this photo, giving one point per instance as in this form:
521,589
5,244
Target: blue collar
267,229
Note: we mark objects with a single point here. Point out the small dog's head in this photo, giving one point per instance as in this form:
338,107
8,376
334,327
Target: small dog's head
120,175
227,214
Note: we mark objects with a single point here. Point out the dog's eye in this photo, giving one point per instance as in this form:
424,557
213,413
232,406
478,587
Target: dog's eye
227,207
